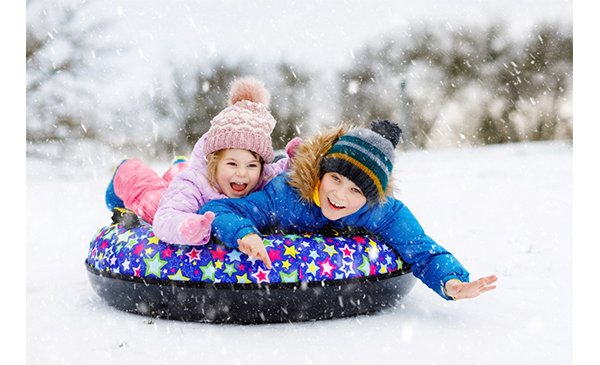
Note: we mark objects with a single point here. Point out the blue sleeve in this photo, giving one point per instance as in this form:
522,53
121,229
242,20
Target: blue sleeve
430,262
236,218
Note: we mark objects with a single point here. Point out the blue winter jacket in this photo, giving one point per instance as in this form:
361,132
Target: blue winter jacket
279,208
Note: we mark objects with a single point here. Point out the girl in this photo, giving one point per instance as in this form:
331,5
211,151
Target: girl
339,182
234,158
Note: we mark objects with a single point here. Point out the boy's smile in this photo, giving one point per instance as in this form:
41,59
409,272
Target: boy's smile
339,196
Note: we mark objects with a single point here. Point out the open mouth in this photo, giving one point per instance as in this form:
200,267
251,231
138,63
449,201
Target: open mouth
238,187
335,205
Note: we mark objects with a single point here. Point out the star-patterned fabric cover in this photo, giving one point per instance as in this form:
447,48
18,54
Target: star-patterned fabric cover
295,258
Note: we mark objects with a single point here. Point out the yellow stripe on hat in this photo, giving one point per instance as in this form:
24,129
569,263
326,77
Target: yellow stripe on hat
362,167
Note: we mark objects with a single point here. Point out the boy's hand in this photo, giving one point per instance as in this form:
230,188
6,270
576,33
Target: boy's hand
252,245
459,290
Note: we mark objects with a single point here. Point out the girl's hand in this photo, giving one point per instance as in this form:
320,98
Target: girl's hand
290,147
459,290
195,230
252,245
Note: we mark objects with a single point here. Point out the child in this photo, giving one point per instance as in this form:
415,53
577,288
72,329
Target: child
234,158
339,181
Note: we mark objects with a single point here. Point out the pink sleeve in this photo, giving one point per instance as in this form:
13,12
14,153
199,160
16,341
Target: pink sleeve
187,193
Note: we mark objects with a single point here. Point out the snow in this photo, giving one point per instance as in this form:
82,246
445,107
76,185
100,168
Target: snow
502,209
506,210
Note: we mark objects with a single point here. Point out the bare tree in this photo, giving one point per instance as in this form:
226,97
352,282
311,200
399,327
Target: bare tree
473,84
60,54
289,104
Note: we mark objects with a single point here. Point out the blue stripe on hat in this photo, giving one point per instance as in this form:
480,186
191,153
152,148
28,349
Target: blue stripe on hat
379,183
368,149
360,158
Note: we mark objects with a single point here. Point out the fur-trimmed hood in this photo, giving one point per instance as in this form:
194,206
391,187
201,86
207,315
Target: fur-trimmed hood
305,172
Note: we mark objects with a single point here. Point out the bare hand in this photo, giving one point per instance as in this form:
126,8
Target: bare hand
459,290
252,245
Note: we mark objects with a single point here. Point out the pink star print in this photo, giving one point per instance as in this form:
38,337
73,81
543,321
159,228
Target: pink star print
193,254
274,255
327,268
360,240
167,252
219,253
261,276
138,249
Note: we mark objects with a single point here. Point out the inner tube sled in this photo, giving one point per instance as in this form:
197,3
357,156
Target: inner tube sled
313,277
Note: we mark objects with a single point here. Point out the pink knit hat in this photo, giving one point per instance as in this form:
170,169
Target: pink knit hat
246,123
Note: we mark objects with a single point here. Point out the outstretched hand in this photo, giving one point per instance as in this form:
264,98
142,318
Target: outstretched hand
252,245
459,290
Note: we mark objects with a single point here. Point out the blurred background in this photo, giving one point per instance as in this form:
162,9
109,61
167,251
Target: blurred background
144,78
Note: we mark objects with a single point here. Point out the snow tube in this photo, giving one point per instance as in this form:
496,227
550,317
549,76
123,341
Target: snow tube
313,277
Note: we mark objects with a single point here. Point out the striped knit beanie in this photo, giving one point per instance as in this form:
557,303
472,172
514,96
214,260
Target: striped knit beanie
246,123
366,157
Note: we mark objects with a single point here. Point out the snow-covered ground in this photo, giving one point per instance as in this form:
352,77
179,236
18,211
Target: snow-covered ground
504,210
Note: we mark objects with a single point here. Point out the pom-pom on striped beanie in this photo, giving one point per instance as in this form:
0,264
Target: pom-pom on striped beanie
246,123
366,157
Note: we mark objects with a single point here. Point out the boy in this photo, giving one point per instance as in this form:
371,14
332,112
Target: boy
339,182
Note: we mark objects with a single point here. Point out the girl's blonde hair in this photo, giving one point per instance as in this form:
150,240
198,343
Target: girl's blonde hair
212,161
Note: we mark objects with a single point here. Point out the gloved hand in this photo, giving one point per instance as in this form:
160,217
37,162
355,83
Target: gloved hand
290,147
196,229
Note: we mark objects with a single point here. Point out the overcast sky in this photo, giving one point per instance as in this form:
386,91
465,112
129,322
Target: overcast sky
317,33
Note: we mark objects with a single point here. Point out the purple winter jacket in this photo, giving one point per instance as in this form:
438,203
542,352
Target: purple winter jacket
190,190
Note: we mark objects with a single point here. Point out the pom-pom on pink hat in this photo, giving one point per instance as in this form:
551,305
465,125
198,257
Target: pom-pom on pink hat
246,123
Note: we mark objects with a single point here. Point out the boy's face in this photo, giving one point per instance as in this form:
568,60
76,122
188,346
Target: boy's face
237,172
339,196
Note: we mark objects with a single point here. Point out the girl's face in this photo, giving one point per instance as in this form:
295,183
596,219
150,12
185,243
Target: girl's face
339,196
238,172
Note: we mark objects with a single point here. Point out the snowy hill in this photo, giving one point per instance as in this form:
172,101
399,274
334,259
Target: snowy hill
502,209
